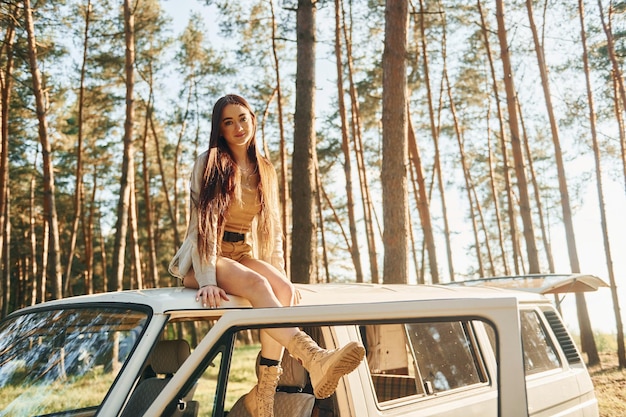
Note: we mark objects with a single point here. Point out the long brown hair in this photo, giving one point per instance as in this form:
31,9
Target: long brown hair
220,183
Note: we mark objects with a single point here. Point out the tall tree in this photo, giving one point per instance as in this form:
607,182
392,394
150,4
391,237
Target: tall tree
621,350
504,151
284,169
78,188
395,133
6,85
303,191
434,131
46,150
345,146
356,129
586,332
522,182
127,178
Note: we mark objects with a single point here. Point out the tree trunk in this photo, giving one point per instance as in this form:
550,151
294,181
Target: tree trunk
6,85
320,211
353,244
619,118
127,176
423,205
368,217
505,159
522,183
467,177
395,130
103,253
88,235
586,332
153,275
621,350
435,136
78,185
50,211
284,166
38,291
134,236
413,244
304,254
335,216
537,192
6,270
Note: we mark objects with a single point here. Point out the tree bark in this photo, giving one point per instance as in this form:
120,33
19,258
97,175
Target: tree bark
355,125
586,332
395,155
505,159
78,184
134,237
322,228
127,176
522,182
304,254
353,244
621,350
6,85
537,192
153,274
284,166
434,131
50,211
423,205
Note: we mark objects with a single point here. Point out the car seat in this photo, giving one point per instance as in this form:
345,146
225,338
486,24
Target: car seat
165,359
293,397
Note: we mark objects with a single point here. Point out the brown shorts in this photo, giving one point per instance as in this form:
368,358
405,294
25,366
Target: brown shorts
237,251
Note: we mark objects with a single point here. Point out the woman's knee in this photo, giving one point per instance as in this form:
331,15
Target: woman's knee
285,292
256,283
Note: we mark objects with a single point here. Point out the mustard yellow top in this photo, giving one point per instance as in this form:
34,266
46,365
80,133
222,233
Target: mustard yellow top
241,213
188,255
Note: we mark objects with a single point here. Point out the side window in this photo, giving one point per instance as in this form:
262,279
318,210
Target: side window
390,361
201,397
446,355
539,352
422,359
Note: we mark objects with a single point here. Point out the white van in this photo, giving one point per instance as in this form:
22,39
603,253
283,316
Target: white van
431,351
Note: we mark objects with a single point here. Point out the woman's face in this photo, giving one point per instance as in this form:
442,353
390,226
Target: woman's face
237,126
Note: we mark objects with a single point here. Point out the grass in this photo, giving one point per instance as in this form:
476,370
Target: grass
73,393
610,385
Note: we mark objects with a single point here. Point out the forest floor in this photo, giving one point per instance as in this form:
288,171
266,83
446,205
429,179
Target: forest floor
610,385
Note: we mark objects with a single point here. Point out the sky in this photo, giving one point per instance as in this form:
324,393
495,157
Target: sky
586,219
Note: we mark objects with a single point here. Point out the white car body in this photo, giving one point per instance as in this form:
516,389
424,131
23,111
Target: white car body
489,317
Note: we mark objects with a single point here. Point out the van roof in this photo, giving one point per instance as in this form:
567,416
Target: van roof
163,300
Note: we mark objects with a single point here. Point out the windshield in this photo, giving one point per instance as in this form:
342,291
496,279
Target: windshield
55,361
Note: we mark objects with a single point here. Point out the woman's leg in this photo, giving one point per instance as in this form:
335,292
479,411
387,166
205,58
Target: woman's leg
264,286
238,279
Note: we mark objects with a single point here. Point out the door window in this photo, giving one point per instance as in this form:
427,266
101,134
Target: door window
422,359
539,352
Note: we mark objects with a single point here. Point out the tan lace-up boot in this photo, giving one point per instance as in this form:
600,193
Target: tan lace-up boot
325,367
260,400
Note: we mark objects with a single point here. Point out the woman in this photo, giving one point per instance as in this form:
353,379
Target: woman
234,196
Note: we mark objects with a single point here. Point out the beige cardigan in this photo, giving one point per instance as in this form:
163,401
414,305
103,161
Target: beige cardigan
188,255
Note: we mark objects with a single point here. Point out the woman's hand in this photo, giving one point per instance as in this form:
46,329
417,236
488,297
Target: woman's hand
211,296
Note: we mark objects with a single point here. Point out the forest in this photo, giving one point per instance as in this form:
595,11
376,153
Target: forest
415,141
